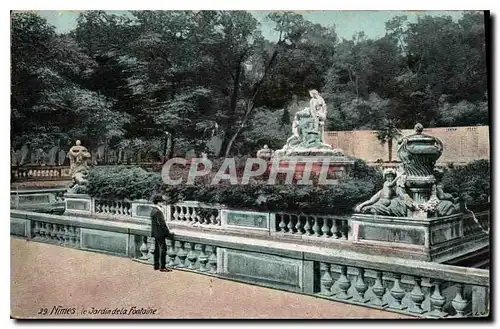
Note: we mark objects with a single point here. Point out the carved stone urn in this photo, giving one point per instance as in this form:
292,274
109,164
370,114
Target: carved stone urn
418,153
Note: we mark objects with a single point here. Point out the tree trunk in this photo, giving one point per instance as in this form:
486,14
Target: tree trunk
251,103
171,143
389,146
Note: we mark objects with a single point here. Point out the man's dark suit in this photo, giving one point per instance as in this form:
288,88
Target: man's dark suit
159,231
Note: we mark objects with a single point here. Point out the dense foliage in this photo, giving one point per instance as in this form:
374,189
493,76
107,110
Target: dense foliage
137,183
471,182
127,80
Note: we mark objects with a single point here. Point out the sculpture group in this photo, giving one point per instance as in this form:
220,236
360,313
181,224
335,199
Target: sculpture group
308,129
417,190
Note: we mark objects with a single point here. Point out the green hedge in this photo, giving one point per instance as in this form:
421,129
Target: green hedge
471,183
123,183
136,183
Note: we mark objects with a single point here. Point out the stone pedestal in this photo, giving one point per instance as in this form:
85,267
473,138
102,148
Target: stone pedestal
438,239
77,204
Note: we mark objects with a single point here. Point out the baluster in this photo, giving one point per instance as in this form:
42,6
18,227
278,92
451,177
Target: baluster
77,236
212,218
437,301
379,291
281,225
171,253
316,228
397,293
417,297
175,214
324,228
187,215
45,231
216,220
344,229
459,303
298,225
113,208
343,283
36,229
181,213
71,234
119,208
361,286
128,207
326,280
307,226
196,218
212,260
60,233
334,229
66,235
123,208
144,248
290,224
182,254
191,256
53,231
152,248
203,259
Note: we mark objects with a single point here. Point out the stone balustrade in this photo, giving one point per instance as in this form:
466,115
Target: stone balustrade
62,234
199,257
194,213
40,173
41,200
419,288
60,173
316,226
402,289
112,208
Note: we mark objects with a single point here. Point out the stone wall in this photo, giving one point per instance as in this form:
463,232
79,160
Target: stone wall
461,144
376,281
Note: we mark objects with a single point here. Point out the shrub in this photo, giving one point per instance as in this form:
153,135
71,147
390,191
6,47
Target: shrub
471,182
123,183
136,183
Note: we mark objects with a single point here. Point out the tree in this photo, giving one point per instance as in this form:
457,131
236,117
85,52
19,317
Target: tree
387,134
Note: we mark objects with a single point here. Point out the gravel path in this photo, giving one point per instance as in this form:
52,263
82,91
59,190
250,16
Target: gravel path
56,281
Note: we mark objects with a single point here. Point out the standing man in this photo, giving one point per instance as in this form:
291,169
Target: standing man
159,231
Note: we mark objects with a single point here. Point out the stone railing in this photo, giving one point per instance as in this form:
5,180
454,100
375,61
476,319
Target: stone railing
199,257
194,213
39,173
42,200
429,290
62,234
398,284
314,226
112,208
51,172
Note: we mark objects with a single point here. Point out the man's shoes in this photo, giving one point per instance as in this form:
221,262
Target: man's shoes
156,268
165,270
